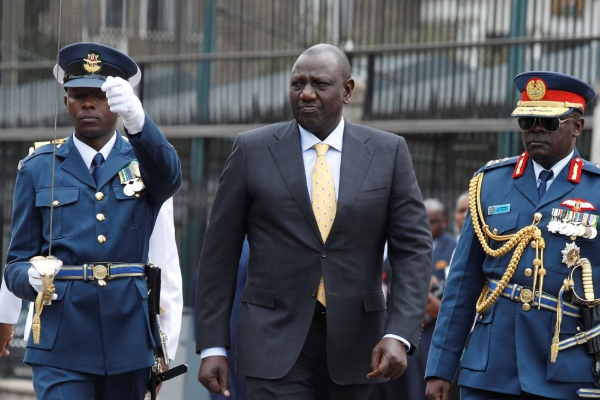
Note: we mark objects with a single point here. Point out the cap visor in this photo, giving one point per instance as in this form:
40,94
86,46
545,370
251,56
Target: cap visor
84,82
539,111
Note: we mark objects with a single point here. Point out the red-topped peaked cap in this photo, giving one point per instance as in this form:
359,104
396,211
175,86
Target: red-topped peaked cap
550,94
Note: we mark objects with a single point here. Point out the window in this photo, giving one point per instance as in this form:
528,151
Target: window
157,20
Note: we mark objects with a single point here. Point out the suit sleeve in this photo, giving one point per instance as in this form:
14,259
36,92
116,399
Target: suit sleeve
26,237
163,252
158,160
10,306
219,261
457,312
409,251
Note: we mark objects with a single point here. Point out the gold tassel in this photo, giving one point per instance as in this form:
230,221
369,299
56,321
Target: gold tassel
555,340
554,349
36,325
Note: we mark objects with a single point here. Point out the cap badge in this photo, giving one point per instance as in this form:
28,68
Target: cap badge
92,63
536,89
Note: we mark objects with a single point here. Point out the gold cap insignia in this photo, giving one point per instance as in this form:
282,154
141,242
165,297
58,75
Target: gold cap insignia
92,63
536,89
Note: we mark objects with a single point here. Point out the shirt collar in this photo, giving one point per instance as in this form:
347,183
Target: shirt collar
335,139
556,168
87,153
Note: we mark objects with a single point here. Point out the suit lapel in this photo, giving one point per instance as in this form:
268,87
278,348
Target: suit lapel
120,155
527,184
287,154
559,188
356,158
73,163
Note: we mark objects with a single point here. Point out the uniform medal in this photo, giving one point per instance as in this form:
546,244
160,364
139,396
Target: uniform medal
130,177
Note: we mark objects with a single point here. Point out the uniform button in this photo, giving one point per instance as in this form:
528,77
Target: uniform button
526,307
528,272
313,293
480,317
54,203
324,254
99,196
100,217
101,239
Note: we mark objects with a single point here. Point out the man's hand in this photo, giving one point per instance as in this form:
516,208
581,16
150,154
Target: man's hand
388,359
437,389
6,335
163,367
42,264
124,102
214,375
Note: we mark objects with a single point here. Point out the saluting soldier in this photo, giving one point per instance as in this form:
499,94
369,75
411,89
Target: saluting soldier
528,262
91,204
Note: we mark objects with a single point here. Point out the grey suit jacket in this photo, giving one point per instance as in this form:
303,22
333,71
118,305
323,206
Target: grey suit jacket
263,194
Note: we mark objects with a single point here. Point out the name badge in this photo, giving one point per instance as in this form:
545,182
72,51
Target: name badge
499,209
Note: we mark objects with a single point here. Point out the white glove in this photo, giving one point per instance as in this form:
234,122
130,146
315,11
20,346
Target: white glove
124,102
35,279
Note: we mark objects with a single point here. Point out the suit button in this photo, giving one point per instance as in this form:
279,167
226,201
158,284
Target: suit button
101,239
324,254
313,293
100,217
99,196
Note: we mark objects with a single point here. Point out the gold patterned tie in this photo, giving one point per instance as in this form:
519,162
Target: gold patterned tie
323,201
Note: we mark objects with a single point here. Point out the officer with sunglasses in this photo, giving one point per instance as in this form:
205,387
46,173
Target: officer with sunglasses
527,265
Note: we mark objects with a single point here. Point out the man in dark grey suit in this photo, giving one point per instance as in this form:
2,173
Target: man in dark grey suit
317,197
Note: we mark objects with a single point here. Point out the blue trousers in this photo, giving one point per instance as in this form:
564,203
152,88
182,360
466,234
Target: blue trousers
60,384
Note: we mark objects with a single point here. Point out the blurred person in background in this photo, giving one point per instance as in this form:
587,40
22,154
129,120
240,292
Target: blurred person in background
460,212
411,385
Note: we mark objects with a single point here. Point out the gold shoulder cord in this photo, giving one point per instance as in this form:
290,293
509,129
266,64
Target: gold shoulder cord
520,239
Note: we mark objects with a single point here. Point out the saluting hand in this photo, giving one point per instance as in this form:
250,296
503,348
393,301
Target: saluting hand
388,359
124,102
214,375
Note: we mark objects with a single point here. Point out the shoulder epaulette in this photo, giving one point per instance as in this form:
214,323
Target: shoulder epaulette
37,145
40,148
498,163
591,167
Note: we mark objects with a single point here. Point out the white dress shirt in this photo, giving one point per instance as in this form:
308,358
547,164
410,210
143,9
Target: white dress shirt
556,168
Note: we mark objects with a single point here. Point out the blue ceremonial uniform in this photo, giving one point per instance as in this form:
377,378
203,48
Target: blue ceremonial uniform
509,350
89,328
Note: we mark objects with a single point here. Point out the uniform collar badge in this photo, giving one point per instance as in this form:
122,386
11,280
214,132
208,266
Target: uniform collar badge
93,63
521,165
132,179
575,170
578,205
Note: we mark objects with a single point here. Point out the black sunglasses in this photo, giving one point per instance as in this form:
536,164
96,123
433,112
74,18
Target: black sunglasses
549,124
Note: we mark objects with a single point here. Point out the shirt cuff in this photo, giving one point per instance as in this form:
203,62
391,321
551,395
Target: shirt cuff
213,351
404,341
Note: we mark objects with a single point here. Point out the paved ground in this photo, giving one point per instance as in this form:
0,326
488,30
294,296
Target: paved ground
16,389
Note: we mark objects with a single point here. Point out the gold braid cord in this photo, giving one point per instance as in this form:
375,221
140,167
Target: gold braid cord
520,239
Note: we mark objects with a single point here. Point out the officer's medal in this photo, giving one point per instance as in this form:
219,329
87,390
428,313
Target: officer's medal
130,177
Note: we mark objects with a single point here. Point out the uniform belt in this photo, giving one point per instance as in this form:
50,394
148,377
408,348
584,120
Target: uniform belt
100,270
526,296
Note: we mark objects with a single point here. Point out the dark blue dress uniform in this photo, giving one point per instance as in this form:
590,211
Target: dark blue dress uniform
100,330
510,347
